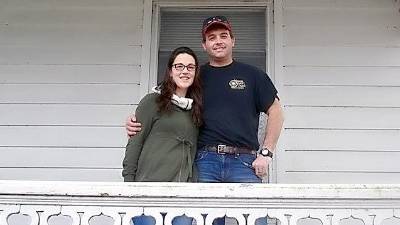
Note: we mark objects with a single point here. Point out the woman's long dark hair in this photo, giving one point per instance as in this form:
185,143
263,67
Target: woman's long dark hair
194,92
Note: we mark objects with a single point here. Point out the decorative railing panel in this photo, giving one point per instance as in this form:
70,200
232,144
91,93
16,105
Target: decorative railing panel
81,202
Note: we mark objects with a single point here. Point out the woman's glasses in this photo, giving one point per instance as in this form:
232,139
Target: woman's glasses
181,67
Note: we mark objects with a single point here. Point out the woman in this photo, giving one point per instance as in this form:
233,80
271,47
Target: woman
165,148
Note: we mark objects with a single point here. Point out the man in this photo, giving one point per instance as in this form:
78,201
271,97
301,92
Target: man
234,96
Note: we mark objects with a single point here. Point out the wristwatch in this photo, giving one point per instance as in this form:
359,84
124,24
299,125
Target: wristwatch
266,152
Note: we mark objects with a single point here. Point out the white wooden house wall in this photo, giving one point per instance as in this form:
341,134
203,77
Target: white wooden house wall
69,76
70,72
341,81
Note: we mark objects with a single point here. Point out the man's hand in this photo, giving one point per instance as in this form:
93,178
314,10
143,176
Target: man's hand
260,165
132,126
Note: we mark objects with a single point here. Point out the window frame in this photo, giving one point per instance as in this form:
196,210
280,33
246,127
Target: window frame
158,6
151,36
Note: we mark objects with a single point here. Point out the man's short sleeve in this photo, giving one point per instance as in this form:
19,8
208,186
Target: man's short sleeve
265,92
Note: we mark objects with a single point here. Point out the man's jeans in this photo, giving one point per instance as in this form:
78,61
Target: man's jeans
226,168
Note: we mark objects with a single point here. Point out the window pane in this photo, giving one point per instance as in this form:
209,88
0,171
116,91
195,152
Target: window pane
183,28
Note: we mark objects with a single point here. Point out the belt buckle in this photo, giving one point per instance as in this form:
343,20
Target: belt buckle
221,149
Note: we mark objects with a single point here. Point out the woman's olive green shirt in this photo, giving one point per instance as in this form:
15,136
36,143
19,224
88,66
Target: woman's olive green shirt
165,148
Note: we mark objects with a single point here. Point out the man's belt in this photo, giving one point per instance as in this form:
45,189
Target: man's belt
225,149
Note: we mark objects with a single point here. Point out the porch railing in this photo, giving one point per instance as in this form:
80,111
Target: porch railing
83,201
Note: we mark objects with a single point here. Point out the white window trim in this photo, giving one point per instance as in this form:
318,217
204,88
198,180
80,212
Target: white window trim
173,5
152,8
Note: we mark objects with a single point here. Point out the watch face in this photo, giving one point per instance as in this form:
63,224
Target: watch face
264,152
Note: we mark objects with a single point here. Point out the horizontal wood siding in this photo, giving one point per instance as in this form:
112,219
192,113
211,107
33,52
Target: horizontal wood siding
69,76
341,81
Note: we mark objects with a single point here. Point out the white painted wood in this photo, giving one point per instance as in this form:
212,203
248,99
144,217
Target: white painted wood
278,70
86,200
97,13
378,162
69,76
329,4
44,55
70,93
341,80
343,16
304,177
363,76
342,118
357,140
343,96
64,114
27,157
59,136
61,174
68,34
146,48
380,36
87,4
341,56
73,74
206,194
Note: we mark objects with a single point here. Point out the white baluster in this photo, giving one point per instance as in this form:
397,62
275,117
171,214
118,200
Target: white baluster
31,212
6,211
280,215
131,212
196,214
254,214
379,215
47,212
213,213
238,215
114,213
155,212
72,212
339,215
396,213
89,212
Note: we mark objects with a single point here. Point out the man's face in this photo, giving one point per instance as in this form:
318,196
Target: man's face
218,44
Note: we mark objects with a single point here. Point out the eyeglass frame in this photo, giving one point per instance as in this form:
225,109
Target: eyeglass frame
185,66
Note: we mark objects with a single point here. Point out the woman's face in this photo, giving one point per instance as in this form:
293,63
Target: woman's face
183,72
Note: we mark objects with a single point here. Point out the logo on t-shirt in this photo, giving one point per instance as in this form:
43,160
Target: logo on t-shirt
237,84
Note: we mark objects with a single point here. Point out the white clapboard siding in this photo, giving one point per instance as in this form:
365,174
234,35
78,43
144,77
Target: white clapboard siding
61,174
72,115
381,36
80,54
341,16
341,56
364,96
367,76
343,161
110,158
342,118
63,136
72,13
75,74
342,139
54,34
70,93
89,4
339,4
69,76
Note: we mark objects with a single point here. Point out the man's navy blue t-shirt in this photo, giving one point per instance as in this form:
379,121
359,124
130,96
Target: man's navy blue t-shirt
234,96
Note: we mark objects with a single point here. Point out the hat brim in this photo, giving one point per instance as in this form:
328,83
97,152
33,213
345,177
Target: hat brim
215,23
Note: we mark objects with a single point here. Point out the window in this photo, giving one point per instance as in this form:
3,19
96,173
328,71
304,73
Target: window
182,27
